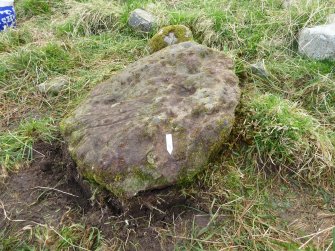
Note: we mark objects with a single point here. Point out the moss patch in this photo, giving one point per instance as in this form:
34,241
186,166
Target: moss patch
180,33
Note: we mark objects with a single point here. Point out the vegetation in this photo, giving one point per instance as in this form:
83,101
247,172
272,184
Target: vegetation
281,152
17,146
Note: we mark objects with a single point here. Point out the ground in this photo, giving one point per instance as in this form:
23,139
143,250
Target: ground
46,194
271,188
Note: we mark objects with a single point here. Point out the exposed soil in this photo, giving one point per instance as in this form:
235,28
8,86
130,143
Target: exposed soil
50,192
306,214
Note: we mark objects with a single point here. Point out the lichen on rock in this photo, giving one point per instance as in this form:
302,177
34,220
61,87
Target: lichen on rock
117,136
170,35
318,42
142,20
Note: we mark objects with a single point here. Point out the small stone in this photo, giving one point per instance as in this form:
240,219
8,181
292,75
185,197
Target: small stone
53,86
288,3
170,35
142,20
331,19
318,42
259,69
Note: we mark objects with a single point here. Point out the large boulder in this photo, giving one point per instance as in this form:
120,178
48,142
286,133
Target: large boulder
156,123
318,42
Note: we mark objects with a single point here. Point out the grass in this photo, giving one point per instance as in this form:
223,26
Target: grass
17,147
31,8
286,138
44,237
91,19
284,135
14,38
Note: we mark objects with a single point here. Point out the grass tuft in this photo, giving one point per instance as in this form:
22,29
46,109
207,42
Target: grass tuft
25,67
286,138
17,146
44,237
30,8
91,18
14,38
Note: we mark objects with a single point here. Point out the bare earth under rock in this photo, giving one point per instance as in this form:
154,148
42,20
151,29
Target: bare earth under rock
48,193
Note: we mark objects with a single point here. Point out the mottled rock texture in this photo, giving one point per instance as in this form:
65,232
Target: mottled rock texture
318,42
296,3
259,69
118,135
54,86
142,20
331,19
170,35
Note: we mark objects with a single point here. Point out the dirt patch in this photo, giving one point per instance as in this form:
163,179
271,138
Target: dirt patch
306,214
34,194
50,192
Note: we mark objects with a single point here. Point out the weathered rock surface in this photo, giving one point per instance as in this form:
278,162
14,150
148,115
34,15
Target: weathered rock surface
142,20
295,3
318,42
331,19
118,136
53,86
259,69
288,3
170,35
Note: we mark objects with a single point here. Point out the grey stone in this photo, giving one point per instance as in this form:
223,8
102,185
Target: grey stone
259,69
171,39
142,20
118,135
53,86
287,4
318,42
331,19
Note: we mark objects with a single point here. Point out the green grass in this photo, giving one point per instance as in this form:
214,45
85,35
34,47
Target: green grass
17,147
35,64
43,237
285,137
90,18
31,8
284,126
14,38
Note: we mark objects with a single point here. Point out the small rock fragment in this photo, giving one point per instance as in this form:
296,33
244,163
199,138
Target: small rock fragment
331,19
287,4
53,86
170,35
259,69
142,20
318,42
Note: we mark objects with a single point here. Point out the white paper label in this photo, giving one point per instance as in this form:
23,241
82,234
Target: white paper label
169,143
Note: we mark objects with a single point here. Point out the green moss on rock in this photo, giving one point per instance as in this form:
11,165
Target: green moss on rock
200,158
169,35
